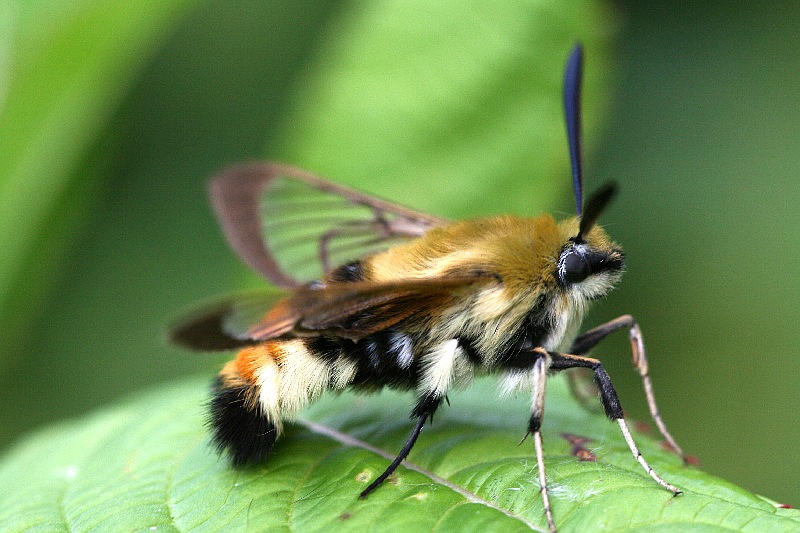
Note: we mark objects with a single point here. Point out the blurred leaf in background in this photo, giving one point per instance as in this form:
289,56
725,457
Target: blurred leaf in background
704,139
66,67
449,109
131,241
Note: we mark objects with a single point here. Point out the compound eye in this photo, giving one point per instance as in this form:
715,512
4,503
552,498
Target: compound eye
575,268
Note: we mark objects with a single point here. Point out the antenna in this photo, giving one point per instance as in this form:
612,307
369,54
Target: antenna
594,207
572,115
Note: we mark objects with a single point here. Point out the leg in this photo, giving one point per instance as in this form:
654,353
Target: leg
424,410
588,340
437,374
611,404
537,413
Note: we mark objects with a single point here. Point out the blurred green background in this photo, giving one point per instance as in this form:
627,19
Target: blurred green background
115,113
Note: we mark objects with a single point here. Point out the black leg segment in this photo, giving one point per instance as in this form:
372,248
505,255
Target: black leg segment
610,403
588,340
608,395
424,410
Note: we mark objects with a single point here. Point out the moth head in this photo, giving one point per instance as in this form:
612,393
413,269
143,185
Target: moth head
588,264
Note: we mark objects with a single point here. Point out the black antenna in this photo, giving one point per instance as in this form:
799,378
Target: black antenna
572,114
594,207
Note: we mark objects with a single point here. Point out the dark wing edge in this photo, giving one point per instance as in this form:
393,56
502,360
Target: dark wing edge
236,195
222,324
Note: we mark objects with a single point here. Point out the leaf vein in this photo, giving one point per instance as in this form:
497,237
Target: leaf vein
349,440
61,511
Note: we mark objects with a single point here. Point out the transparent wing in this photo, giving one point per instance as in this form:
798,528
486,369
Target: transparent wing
223,324
293,227
348,310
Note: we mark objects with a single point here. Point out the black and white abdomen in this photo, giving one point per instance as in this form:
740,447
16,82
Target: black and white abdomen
384,359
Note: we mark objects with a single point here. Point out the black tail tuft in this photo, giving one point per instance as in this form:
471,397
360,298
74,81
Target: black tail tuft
241,431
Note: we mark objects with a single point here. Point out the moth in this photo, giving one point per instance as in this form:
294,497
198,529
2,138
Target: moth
380,295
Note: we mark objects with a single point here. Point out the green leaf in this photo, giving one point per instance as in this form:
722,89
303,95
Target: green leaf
146,464
419,100
64,66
